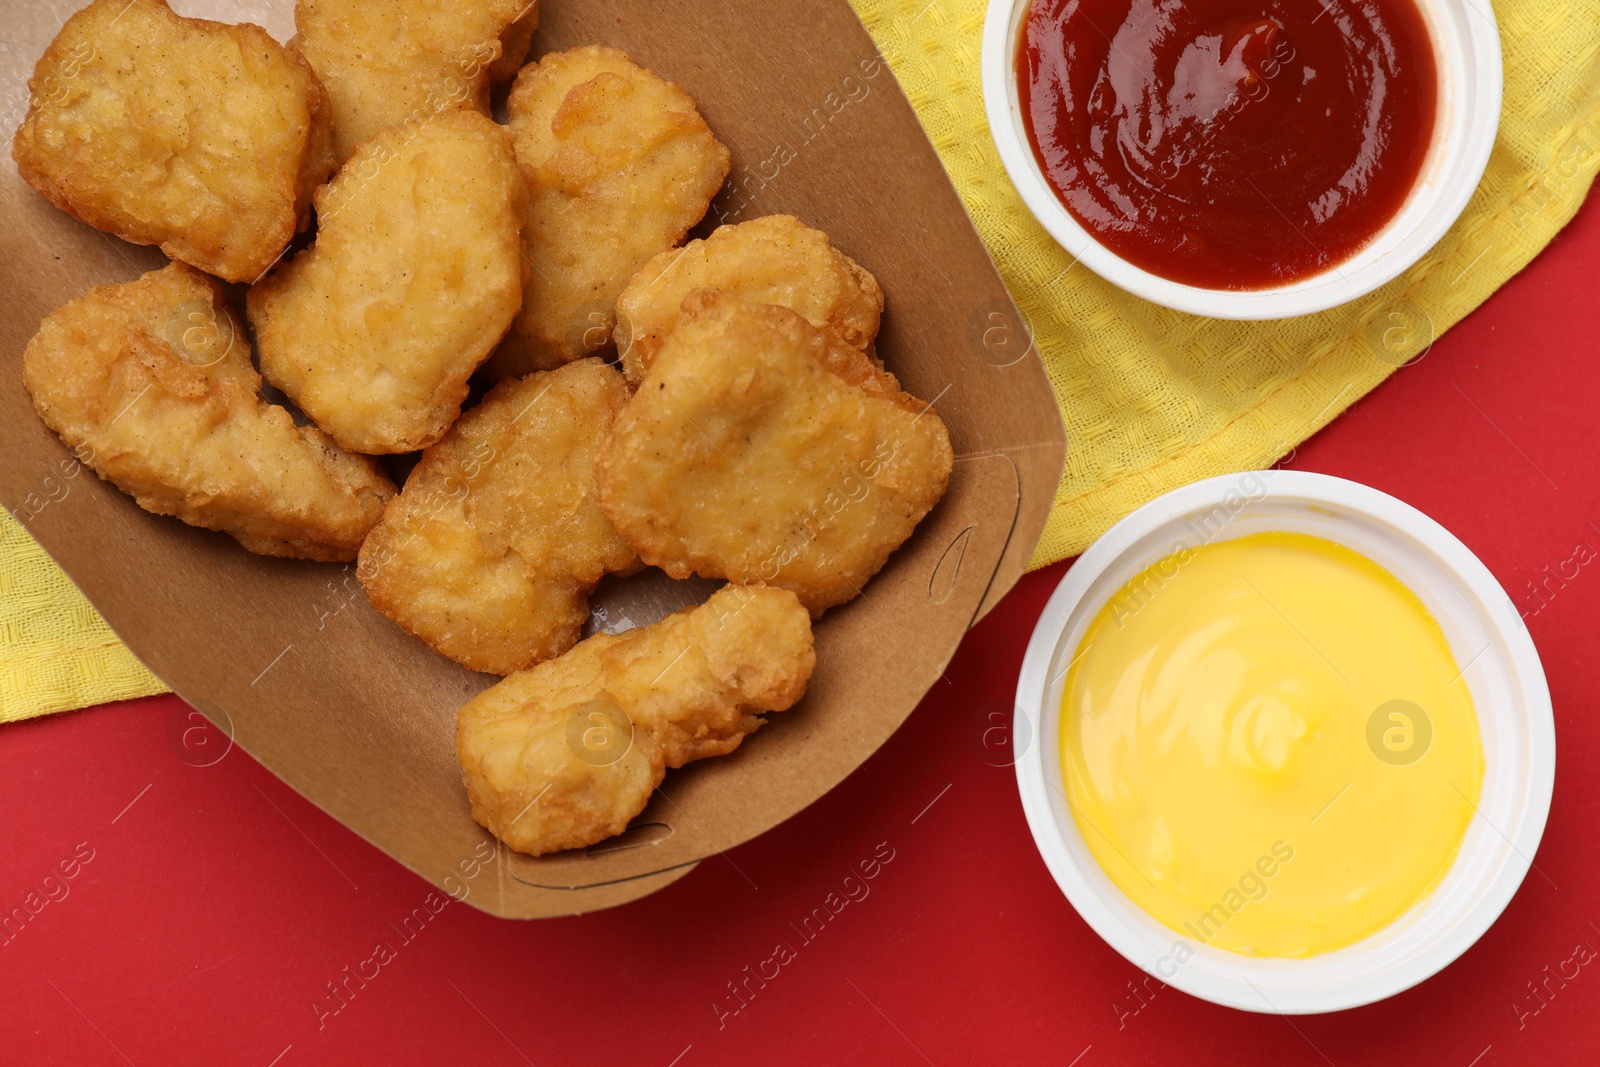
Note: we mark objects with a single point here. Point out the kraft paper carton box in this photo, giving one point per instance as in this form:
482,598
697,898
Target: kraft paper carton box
292,661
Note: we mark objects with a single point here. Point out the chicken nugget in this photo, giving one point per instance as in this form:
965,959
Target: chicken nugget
763,450
390,62
204,138
620,166
565,754
415,275
150,384
772,260
490,553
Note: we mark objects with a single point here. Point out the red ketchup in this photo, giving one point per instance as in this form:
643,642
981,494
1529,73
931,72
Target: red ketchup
1229,144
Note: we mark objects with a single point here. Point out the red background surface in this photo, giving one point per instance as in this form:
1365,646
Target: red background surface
219,903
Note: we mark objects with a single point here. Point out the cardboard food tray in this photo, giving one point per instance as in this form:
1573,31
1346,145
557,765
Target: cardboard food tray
358,717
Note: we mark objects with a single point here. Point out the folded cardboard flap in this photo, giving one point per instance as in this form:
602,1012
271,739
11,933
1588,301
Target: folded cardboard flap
359,717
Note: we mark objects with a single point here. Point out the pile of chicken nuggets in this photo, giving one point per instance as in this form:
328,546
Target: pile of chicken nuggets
712,409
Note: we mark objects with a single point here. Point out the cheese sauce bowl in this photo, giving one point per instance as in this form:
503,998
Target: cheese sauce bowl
1499,666
1466,47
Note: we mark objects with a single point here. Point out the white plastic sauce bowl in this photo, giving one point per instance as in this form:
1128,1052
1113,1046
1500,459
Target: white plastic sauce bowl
1466,43
1502,672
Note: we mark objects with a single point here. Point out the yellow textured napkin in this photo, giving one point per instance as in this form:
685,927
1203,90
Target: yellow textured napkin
1152,398
56,652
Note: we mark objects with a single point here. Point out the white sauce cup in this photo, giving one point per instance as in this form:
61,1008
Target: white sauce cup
1486,637
1466,42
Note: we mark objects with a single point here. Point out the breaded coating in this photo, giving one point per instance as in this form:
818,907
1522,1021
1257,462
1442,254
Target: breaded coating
763,450
390,62
772,260
150,383
204,138
490,553
620,166
565,754
415,275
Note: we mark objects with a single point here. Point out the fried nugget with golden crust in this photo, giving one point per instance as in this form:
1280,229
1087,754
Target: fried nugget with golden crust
415,275
150,383
390,62
763,450
620,166
490,553
773,260
203,138
565,754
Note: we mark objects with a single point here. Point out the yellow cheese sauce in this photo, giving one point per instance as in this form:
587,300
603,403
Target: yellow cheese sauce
1268,746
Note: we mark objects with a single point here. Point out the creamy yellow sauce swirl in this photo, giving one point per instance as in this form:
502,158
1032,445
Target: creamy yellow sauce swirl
1268,745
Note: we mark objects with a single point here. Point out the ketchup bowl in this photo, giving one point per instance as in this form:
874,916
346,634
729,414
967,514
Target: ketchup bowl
1390,206
1498,664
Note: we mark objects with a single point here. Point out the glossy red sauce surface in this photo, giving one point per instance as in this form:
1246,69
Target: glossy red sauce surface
1229,144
